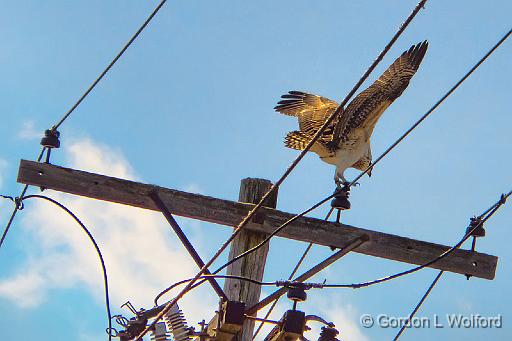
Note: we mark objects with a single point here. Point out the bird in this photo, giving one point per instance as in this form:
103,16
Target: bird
345,142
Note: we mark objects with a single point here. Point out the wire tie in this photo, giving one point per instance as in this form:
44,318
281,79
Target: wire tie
503,199
19,203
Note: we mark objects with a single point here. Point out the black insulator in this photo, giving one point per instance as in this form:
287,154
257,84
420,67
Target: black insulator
479,231
340,200
297,294
51,139
328,334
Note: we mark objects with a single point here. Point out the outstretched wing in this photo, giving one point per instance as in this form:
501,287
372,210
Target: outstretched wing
311,110
365,110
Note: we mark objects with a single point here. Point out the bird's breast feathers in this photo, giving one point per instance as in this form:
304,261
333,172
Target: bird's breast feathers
350,151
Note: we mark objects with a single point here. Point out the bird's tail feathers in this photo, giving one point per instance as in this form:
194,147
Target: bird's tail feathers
297,140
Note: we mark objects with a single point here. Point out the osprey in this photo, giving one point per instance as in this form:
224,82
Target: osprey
345,142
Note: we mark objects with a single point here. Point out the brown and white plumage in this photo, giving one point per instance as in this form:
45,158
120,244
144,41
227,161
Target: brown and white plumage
346,141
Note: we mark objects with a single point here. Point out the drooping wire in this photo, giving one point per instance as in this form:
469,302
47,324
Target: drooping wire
204,277
274,304
415,310
125,47
468,234
292,274
287,172
96,247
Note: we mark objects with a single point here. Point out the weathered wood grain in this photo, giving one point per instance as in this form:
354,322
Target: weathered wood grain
253,265
230,213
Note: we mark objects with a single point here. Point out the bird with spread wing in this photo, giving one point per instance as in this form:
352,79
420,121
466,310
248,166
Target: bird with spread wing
345,142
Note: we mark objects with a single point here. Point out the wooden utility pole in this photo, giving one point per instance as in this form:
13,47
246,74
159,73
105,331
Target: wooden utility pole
253,265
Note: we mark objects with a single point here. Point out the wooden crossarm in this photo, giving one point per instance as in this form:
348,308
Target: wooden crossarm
230,213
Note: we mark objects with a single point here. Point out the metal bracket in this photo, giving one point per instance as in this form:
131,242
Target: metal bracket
291,327
228,321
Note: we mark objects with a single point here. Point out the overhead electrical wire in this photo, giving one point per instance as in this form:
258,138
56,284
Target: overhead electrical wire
109,66
204,277
96,247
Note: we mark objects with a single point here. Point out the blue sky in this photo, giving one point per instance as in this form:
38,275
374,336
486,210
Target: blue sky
190,106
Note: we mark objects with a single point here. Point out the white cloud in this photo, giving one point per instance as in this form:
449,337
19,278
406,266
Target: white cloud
344,316
28,131
3,167
140,252
194,188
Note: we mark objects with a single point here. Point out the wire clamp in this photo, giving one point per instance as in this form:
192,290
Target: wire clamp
19,203
503,199
476,230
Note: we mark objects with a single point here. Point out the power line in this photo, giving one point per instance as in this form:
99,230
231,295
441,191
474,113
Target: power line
125,47
415,310
91,238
